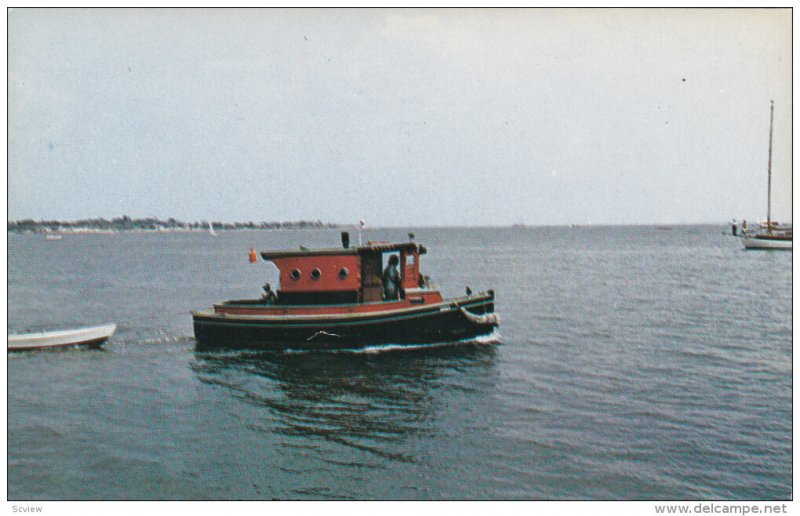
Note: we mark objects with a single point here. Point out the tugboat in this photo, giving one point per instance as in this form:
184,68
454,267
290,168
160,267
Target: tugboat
337,299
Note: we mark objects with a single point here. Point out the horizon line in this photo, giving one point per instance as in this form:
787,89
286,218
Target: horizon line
338,225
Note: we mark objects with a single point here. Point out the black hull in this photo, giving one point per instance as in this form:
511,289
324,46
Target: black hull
451,321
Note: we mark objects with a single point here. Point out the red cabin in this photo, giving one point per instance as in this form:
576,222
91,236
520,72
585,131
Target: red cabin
347,274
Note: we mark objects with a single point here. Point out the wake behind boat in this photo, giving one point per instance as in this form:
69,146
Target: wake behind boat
93,336
339,299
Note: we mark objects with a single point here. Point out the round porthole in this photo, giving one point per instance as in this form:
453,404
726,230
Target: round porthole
315,273
343,273
295,274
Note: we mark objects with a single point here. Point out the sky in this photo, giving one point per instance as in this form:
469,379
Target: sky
399,117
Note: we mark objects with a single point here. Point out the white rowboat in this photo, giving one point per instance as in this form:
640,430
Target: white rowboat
93,336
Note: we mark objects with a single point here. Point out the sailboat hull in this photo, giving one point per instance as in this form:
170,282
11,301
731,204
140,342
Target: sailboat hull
767,243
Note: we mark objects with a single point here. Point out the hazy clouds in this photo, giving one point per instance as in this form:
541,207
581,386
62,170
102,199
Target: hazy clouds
401,117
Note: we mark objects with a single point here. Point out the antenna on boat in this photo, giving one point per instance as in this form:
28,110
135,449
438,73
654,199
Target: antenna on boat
769,169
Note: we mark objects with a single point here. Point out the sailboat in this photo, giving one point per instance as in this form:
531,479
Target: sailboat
772,235
211,229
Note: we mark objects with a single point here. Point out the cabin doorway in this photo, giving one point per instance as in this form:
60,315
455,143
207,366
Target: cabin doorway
371,270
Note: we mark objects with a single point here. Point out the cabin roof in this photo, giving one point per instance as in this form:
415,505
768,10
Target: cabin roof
382,247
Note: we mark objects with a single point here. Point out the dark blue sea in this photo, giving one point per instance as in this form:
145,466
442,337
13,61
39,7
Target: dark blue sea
633,363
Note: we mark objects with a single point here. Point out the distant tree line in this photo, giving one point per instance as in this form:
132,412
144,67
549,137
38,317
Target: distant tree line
126,223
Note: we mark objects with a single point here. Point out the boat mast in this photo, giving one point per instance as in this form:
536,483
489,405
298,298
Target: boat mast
769,170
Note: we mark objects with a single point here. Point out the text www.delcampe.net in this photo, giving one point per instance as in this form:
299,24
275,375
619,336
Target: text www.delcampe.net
713,508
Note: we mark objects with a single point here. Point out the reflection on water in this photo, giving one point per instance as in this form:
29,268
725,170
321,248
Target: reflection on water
371,402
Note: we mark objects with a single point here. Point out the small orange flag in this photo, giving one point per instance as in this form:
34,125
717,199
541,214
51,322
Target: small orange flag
253,256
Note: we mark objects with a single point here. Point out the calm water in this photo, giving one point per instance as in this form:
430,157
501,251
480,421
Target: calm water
634,364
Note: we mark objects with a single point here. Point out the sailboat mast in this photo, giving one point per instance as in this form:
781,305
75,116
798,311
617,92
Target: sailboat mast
769,169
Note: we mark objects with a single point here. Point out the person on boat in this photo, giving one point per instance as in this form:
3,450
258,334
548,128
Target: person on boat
269,296
391,279
733,227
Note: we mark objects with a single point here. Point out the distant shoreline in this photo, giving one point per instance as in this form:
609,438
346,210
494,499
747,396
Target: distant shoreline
127,224
102,226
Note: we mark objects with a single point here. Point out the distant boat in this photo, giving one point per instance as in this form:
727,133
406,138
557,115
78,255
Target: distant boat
768,241
211,230
771,235
53,237
93,336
